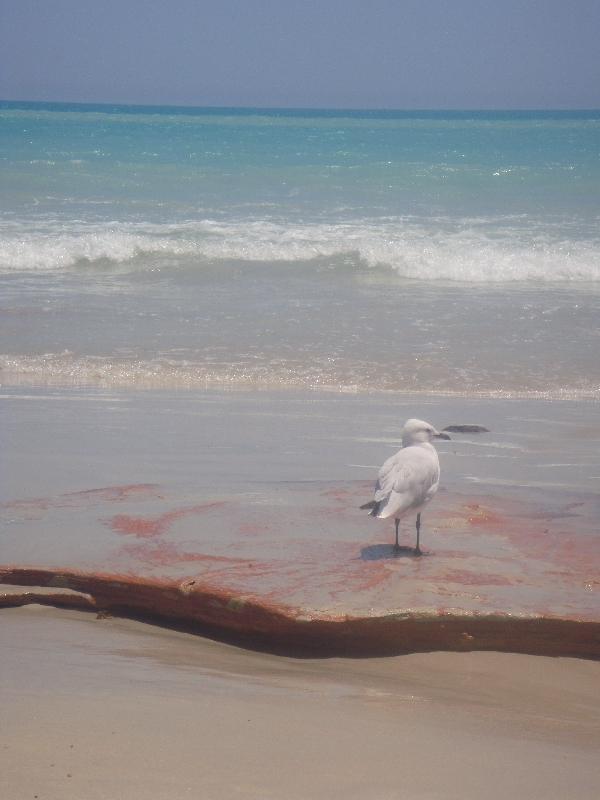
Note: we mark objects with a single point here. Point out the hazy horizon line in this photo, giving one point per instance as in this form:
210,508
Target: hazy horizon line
243,107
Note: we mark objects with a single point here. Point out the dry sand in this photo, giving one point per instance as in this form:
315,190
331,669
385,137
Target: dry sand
120,710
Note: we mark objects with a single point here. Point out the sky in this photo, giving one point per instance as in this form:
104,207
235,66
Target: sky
304,53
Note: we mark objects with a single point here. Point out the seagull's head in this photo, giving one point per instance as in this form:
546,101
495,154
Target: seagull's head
416,431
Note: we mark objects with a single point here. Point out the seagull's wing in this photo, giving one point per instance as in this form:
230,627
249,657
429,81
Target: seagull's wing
394,472
406,480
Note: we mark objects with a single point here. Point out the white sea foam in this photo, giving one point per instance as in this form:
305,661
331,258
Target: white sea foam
472,251
67,369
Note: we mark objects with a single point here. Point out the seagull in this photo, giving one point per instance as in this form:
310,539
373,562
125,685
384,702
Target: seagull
410,478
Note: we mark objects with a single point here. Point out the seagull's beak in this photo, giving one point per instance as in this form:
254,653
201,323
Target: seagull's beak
441,435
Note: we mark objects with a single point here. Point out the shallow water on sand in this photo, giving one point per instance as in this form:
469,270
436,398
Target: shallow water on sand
241,325
58,440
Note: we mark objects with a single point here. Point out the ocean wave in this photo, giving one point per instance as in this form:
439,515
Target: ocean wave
471,250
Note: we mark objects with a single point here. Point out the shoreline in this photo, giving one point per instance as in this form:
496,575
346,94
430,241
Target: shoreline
146,381
256,623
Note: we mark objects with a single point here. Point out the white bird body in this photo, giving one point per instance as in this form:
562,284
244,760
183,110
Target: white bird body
409,479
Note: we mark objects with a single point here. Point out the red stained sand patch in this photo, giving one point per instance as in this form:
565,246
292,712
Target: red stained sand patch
166,554
480,515
32,504
110,494
322,553
363,577
339,494
148,527
555,545
137,526
117,493
475,578
253,528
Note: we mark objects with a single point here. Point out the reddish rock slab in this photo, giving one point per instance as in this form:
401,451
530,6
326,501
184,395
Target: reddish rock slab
11,596
299,566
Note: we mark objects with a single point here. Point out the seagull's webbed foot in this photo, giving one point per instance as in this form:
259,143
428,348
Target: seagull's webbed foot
417,551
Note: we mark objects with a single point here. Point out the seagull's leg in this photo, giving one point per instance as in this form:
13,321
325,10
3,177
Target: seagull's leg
397,546
418,550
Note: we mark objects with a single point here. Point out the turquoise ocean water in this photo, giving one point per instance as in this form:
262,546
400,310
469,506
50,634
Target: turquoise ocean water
433,251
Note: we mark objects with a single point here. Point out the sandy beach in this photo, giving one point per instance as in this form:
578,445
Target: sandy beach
112,708
97,708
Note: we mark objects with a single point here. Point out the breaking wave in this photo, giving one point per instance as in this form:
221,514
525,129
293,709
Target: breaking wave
470,250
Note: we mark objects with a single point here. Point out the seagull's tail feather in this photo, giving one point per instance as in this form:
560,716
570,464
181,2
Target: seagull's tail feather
372,506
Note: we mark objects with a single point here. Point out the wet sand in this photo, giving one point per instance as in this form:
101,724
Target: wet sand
113,708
